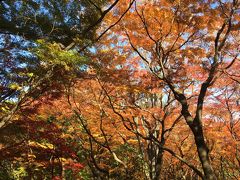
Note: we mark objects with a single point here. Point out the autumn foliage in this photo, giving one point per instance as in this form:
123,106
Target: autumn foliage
148,90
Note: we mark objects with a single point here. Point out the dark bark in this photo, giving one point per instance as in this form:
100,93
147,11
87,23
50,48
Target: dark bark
203,151
158,165
195,125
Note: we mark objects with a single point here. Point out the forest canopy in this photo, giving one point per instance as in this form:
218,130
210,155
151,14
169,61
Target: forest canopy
119,89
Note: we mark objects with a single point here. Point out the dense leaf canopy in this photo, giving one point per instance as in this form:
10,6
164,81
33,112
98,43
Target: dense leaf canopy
119,89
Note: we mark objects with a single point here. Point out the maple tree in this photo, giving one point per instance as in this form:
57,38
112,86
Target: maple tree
29,31
156,96
173,37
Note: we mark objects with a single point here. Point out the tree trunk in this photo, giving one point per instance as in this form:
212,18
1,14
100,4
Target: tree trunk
202,149
196,127
158,166
155,159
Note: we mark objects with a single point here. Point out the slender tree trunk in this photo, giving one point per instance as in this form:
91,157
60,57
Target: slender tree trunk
155,155
195,125
203,151
158,167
